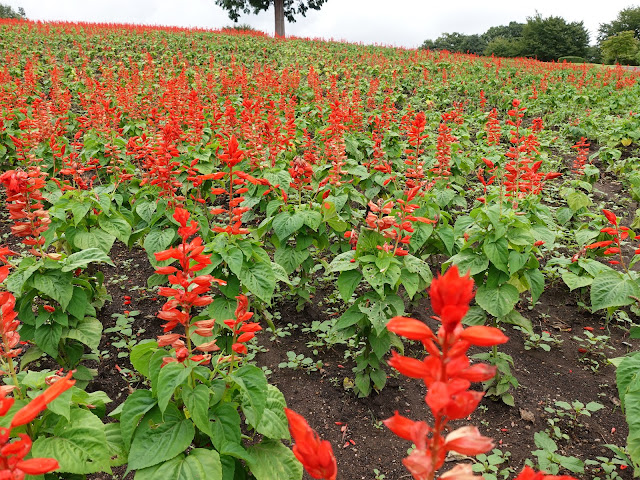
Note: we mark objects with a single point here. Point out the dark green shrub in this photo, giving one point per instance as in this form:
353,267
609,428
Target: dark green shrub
571,59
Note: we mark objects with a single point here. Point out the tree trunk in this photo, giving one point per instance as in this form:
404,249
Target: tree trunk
279,11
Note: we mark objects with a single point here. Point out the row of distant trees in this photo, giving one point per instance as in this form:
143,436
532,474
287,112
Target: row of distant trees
552,38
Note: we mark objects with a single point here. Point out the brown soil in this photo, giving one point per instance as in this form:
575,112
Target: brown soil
353,425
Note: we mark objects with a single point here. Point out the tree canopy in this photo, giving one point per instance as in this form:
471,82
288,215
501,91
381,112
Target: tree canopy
6,11
282,8
621,48
457,42
628,19
552,37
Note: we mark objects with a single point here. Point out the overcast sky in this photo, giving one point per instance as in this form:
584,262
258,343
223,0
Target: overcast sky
397,22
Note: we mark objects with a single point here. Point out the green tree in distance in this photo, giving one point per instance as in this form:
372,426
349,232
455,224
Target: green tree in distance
457,42
552,37
282,8
621,48
627,19
7,12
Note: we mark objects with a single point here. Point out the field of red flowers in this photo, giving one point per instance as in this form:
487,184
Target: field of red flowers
201,229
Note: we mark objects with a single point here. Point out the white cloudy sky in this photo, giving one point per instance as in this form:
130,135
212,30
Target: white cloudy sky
393,22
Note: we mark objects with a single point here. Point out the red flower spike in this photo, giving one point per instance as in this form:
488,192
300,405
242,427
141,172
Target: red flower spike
316,455
611,217
482,336
447,373
409,328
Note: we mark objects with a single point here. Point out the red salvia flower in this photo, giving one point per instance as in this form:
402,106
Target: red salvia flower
447,373
187,290
316,455
12,453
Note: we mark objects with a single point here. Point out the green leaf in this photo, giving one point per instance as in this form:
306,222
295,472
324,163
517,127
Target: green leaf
312,218
348,281
87,331
259,278
410,281
79,445
520,236
286,223
117,450
350,317
574,281
171,376
343,262
225,425
56,285
497,301
416,265
535,279
543,441
612,289
544,233
116,226
146,210
253,386
273,423
84,258
290,258
380,342
200,464
516,261
47,337
96,238
234,258
577,200
79,302
197,402
271,460
159,437
445,232
141,354
628,377
632,412
515,318
377,314
157,241
498,253
133,409
469,261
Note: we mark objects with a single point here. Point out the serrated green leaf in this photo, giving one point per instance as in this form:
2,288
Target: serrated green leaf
273,423
170,377
197,402
252,383
613,289
79,445
87,331
134,408
348,281
498,253
96,238
56,285
271,460
200,464
286,223
343,262
83,258
498,301
116,226
160,437
259,278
